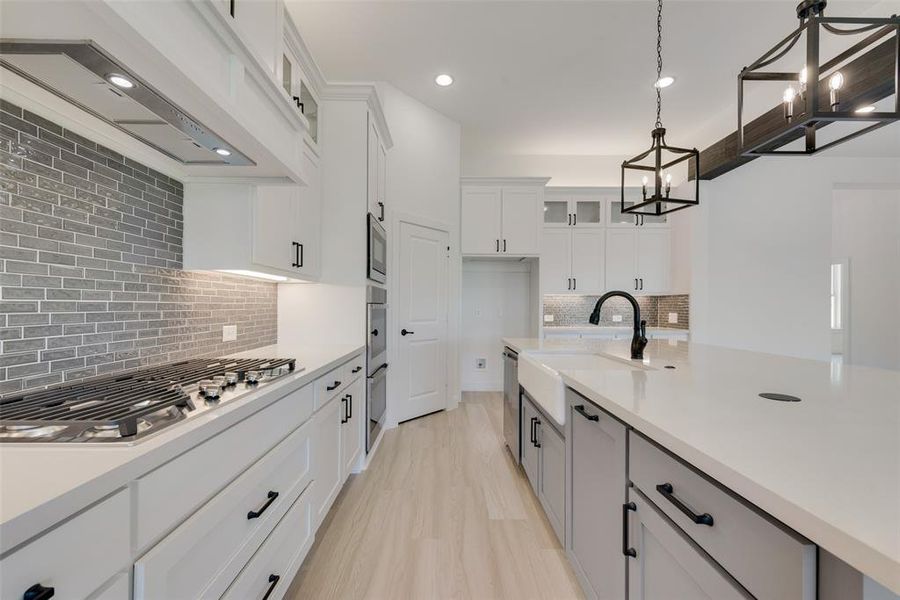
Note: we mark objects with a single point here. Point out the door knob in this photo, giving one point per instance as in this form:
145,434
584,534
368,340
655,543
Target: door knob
374,332
404,332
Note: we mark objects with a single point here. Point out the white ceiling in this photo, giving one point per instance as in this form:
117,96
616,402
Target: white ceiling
559,78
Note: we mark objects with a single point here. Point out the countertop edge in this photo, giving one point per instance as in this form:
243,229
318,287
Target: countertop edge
23,527
869,561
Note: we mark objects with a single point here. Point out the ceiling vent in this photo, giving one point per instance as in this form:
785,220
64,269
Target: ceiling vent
86,76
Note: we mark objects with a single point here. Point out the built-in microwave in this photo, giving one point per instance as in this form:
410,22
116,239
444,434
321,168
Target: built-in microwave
377,269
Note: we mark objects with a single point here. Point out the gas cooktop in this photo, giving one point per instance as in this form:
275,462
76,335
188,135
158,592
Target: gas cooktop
129,407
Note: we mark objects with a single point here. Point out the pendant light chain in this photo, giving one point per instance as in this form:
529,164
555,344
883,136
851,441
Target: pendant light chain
658,64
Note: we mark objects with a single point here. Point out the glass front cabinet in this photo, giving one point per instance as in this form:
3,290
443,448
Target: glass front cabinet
616,218
563,209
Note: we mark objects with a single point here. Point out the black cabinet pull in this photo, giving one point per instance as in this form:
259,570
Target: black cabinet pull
570,218
253,514
38,592
635,284
406,332
356,370
574,283
668,492
498,245
333,387
300,247
532,430
350,402
537,424
569,283
344,417
381,207
504,244
626,550
574,218
635,220
273,581
580,410
642,283
295,264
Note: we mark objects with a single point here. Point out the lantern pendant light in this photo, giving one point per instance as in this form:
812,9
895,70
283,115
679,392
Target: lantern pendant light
658,161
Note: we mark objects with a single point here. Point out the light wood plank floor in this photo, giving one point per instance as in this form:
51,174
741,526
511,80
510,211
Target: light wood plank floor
442,512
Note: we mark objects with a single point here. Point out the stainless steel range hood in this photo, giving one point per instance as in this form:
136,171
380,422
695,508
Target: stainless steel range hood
83,74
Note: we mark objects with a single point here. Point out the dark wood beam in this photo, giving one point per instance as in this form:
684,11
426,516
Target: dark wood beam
869,78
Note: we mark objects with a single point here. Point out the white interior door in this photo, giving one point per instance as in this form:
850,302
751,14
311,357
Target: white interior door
422,314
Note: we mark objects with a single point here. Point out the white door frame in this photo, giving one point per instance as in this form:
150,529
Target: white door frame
454,273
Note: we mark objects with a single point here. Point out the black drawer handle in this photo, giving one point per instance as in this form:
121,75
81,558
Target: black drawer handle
532,430
253,514
537,423
580,410
331,388
668,492
344,418
356,370
38,592
273,581
626,550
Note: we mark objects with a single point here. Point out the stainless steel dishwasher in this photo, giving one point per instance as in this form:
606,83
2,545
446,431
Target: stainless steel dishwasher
512,403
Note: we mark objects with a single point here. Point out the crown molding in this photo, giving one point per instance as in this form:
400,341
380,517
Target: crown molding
524,181
361,92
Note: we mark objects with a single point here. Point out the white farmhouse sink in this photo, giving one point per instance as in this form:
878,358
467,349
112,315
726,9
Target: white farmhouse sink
539,375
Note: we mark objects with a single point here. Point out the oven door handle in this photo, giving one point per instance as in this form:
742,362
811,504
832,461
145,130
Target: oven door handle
375,374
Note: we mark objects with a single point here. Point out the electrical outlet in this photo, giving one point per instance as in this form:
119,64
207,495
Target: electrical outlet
229,333
548,318
673,317
480,363
617,318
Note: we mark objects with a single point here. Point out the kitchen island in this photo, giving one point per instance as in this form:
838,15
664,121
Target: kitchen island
827,466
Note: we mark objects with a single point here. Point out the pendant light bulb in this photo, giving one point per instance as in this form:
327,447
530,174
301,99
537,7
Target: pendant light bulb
804,76
644,186
834,85
789,95
668,183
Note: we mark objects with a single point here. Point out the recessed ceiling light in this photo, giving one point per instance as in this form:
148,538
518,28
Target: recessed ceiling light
223,151
866,109
120,81
664,82
443,80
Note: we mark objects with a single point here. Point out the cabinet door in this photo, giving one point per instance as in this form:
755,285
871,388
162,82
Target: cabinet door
556,211
667,564
597,485
530,450
372,169
620,260
552,480
382,178
522,221
556,261
276,213
480,223
309,226
589,261
351,431
326,457
615,216
654,260
587,211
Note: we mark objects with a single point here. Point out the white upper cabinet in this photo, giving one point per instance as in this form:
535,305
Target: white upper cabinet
568,207
638,261
616,218
556,261
481,220
376,165
501,217
573,261
271,230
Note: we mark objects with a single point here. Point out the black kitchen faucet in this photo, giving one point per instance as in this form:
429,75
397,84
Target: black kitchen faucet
639,339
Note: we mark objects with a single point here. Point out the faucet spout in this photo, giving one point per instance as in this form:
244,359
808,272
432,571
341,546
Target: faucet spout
639,339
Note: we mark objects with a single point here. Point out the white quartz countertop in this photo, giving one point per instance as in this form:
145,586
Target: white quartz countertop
828,466
624,327
40,484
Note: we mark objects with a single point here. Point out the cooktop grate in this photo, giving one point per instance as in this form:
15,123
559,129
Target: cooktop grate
119,401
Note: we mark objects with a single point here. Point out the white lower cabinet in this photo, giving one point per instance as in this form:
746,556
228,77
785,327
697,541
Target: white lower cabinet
60,559
203,555
351,428
596,447
328,423
270,571
666,564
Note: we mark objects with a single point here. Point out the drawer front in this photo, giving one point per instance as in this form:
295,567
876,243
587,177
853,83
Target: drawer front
202,556
202,471
279,558
119,589
764,556
330,384
75,558
354,368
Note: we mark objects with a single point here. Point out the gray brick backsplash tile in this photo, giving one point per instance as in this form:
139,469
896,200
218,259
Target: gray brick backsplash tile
90,264
575,310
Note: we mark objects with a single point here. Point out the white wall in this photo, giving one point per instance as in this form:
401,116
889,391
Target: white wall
497,302
587,171
866,231
422,186
760,244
